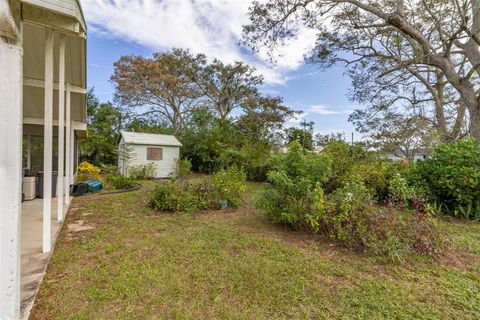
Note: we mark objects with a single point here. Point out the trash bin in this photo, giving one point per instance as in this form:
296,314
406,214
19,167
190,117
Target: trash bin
29,188
40,184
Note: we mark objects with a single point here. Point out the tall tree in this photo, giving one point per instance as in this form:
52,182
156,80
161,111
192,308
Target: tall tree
104,124
158,86
404,137
263,119
226,86
304,135
440,37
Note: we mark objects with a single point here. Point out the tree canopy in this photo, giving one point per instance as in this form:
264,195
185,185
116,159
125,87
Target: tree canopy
417,58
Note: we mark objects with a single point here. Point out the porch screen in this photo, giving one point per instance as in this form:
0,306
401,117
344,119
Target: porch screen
154,154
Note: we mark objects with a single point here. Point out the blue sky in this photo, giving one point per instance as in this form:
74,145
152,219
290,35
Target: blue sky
121,27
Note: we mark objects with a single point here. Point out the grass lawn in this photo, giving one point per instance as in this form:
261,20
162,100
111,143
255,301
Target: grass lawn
117,259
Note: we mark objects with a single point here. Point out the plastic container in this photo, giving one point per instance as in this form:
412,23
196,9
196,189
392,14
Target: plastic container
29,188
94,185
40,184
223,204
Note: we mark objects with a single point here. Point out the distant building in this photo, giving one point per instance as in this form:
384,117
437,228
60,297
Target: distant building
398,155
142,149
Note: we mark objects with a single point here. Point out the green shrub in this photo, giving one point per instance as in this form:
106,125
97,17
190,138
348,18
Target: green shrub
199,194
109,168
142,172
399,190
294,178
350,216
343,212
350,213
377,175
451,178
120,182
396,233
184,168
253,159
230,184
161,197
345,158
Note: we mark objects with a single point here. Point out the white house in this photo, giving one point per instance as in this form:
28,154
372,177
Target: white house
140,149
398,155
42,100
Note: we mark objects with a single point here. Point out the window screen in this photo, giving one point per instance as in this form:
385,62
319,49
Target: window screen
154,154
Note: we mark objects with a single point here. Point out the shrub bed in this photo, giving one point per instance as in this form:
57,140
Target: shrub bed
295,178
368,205
119,182
142,172
351,216
202,193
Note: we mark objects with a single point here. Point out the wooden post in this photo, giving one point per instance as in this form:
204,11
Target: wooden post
11,117
61,128
68,146
47,142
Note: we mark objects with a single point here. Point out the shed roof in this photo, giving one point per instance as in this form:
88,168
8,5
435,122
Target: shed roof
150,139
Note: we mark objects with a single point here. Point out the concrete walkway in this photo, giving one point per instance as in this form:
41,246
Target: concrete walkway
34,261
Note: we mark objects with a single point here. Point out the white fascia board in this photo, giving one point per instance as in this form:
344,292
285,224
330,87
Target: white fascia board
68,8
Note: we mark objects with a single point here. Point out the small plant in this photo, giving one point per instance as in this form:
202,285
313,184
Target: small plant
88,171
119,182
184,168
142,172
399,190
230,184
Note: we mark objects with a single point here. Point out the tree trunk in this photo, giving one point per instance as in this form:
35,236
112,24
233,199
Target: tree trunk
474,126
438,99
459,121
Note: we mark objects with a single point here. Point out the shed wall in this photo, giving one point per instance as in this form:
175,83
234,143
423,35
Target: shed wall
137,156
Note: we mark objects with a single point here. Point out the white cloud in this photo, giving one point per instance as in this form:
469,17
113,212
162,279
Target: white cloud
324,110
212,27
321,109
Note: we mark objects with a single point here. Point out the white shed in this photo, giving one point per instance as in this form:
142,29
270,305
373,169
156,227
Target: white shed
140,149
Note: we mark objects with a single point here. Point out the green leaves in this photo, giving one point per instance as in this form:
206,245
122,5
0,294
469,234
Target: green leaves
296,179
452,178
193,195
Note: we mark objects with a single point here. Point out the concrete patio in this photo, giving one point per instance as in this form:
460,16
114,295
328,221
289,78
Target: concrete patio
34,262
